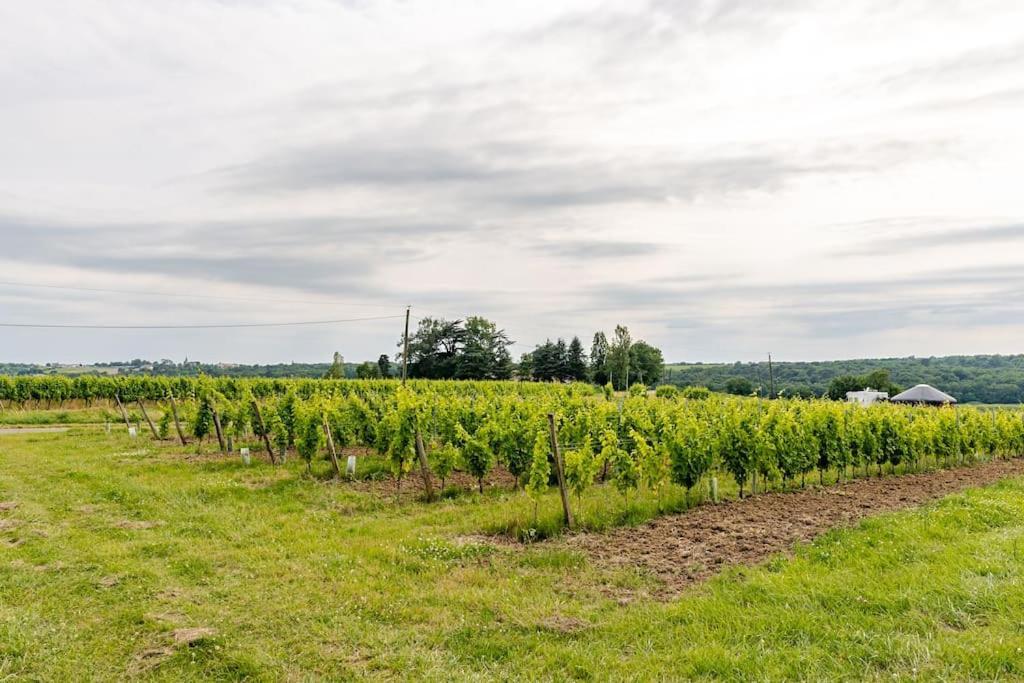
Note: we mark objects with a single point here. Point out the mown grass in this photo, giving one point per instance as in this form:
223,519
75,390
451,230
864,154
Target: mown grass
115,543
71,416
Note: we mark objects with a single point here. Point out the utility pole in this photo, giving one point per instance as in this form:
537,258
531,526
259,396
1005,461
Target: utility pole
405,351
771,377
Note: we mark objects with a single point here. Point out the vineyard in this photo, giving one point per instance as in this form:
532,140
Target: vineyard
196,529
544,435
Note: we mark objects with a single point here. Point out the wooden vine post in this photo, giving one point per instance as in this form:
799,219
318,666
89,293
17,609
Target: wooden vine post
559,470
421,453
216,426
263,431
330,446
177,422
152,427
124,414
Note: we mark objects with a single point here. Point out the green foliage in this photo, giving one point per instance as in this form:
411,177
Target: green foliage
666,391
635,444
624,471
878,380
581,467
540,465
398,428
599,359
738,443
287,411
368,370
447,349
693,393
971,379
691,447
201,422
309,431
277,430
646,363
443,461
739,386
476,455
337,369
638,390
164,424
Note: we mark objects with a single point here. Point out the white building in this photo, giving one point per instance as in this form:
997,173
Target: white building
866,397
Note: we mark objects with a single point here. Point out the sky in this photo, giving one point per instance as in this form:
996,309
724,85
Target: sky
815,179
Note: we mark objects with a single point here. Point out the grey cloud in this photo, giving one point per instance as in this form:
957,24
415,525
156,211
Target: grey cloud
264,252
1000,97
975,289
965,66
337,165
259,269
876,319
853,321
945,238
535,175
586,250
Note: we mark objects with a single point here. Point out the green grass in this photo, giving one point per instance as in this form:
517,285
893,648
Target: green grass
70,416
303,579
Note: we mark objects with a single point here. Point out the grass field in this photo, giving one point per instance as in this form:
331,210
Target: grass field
71,416
110,548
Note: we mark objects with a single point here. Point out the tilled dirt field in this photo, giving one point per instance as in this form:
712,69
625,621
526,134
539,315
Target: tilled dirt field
692,546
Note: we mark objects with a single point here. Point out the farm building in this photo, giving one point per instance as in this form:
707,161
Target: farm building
924,394
866,397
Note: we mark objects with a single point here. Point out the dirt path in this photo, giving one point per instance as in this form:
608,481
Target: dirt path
692,546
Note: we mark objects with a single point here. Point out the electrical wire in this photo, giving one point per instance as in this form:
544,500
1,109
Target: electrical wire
212,326
194,296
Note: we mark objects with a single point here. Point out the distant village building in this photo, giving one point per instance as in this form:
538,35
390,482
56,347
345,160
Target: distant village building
924,394
866,397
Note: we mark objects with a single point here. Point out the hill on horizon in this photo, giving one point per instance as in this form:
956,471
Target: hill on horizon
970,379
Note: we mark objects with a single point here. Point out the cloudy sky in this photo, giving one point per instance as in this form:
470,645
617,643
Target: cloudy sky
815,178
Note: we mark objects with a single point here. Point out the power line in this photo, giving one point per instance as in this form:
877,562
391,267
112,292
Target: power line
194,296
215,326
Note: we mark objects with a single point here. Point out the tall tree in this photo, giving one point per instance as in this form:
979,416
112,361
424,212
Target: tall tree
485,352
434,348
740,386
599,359
524,370
576,363
337,369
474,349
646,363
618,357
368,370
545,362
384,365
561,360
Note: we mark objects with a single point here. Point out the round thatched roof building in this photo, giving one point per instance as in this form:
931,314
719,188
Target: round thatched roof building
923,393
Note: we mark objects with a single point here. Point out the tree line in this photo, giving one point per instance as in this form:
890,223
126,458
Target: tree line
970,379
476,348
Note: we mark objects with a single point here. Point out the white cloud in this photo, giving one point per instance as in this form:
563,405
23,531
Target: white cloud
490,157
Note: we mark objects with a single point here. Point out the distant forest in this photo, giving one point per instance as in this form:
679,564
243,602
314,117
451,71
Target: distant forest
305,370
970,379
